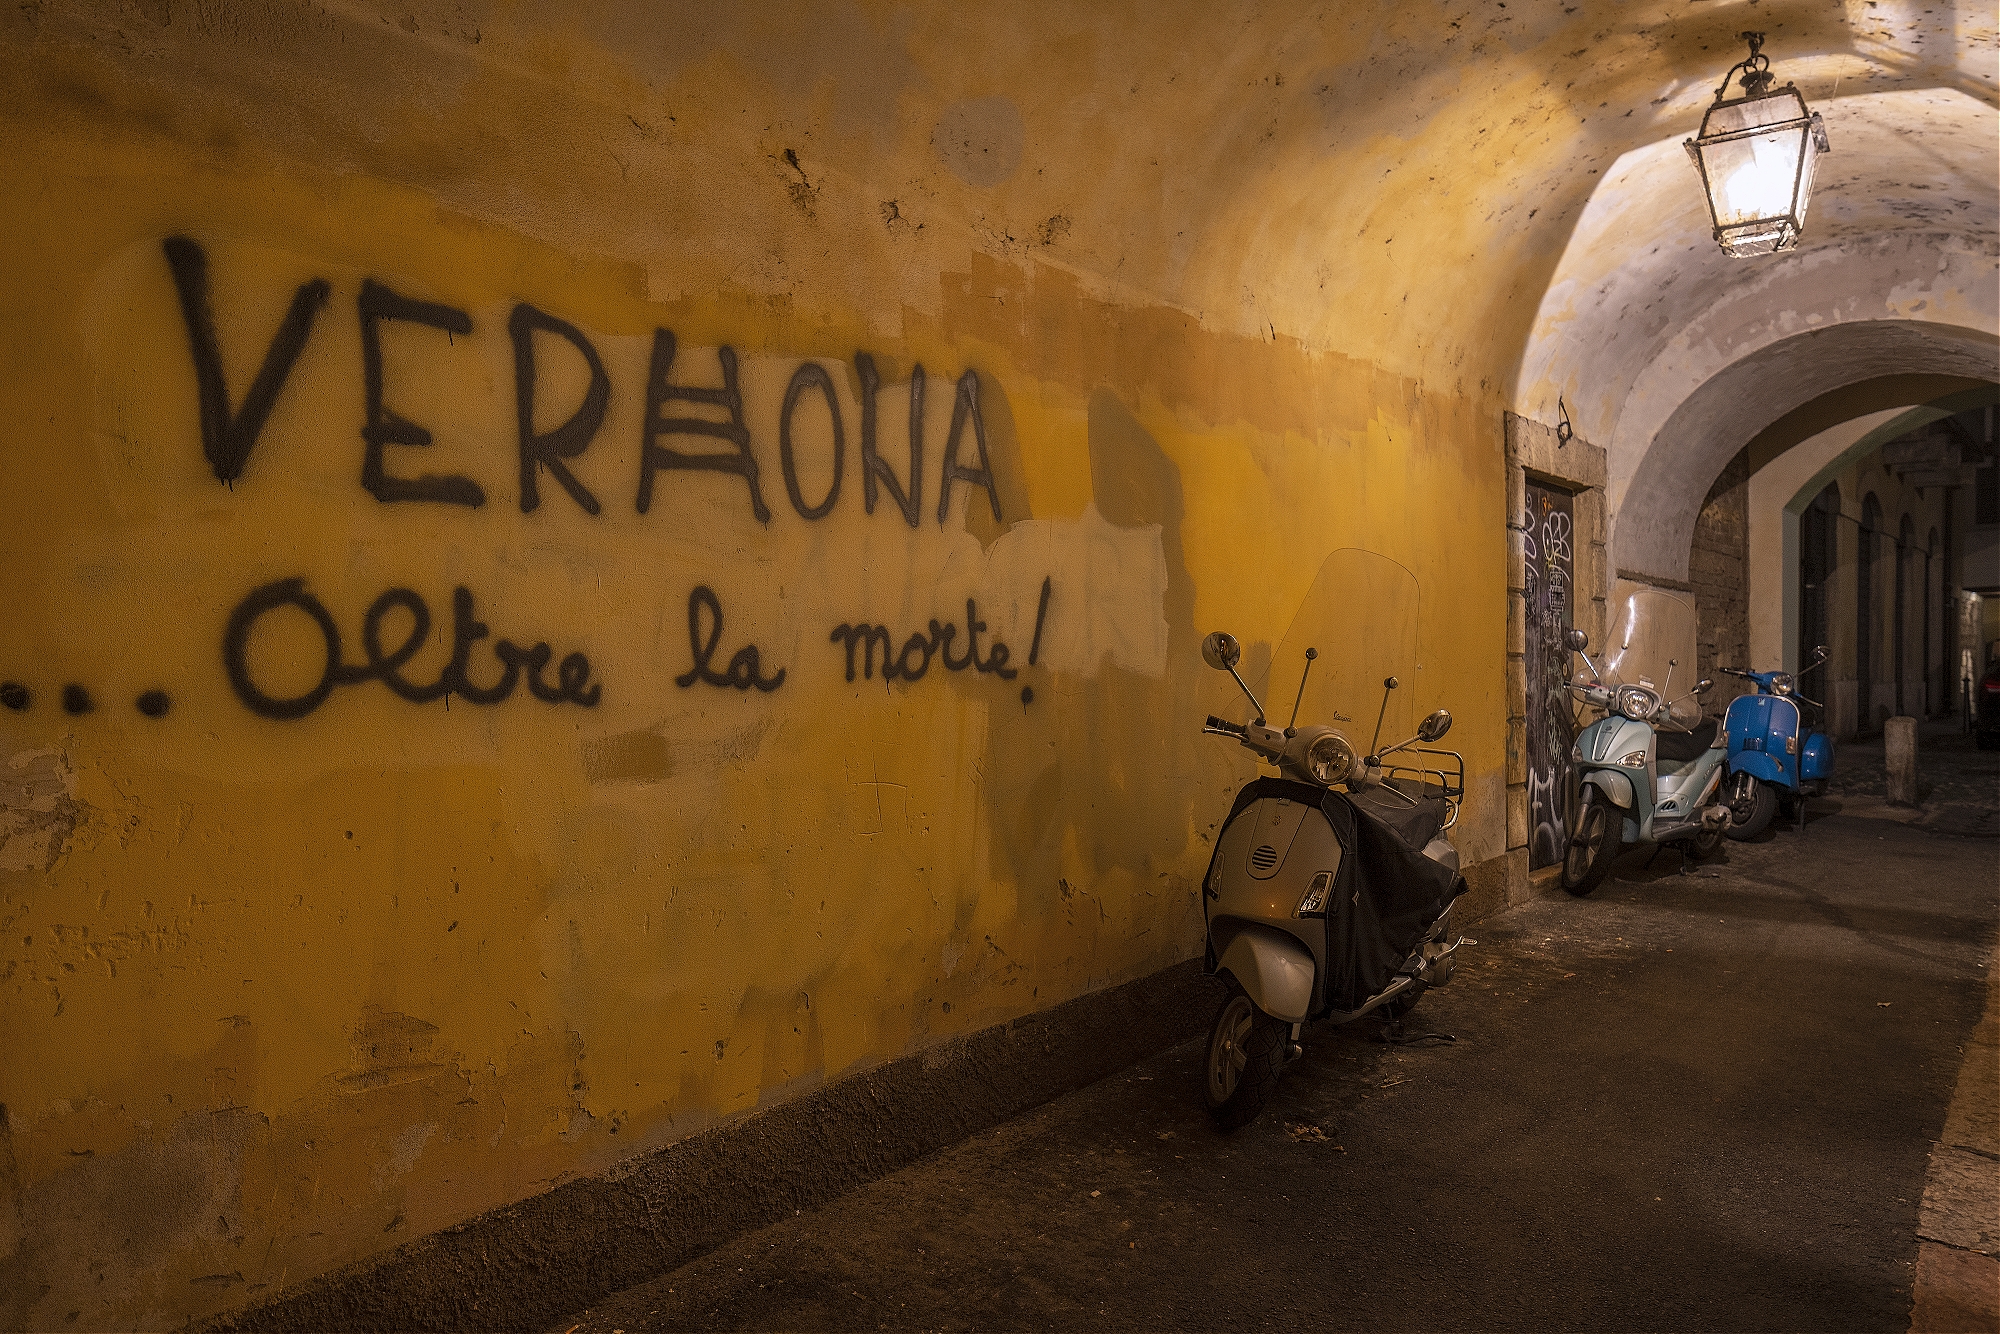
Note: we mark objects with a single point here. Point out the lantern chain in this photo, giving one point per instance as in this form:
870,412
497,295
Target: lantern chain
1755,69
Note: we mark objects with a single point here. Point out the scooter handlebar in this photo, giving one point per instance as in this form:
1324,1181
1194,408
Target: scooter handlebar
1223,727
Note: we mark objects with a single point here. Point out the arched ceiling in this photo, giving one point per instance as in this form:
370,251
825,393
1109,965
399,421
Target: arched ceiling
1485,196
1910,194
1674,356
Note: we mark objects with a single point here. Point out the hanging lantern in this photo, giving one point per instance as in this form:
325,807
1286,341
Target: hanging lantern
1756,155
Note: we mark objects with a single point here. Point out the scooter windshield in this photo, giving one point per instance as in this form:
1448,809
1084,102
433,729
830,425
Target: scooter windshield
1361,616
1652,643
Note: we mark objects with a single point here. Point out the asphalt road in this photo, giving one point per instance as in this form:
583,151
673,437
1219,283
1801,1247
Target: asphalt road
1688,1102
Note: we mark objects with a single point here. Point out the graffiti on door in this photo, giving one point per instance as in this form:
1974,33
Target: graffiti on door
1550,559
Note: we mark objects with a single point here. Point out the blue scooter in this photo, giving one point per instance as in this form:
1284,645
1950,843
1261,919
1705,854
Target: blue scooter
1771,753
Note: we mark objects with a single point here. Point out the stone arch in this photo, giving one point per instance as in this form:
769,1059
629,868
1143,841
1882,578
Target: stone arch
1795,498
1871,364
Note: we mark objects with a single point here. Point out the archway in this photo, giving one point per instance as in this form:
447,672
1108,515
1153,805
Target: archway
1867,662
1804,507
1818,558
1845,371
1906,535
1934,688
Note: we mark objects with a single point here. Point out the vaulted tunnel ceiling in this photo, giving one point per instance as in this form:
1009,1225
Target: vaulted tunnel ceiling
1489,198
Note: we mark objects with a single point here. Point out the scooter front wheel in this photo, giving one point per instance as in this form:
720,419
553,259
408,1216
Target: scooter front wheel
1246,1049
1595,841
1751,806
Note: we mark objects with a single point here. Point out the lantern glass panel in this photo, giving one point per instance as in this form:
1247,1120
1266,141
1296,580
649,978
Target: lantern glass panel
1752,178
1758,155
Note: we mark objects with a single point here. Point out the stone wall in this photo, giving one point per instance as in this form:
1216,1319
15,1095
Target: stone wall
1719,574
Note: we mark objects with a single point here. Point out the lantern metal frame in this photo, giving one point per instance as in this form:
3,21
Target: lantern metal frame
1753,74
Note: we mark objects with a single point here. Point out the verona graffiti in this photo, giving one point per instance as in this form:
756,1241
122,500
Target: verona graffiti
686,427
229,434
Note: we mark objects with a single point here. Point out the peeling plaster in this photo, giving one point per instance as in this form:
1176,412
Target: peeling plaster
38,809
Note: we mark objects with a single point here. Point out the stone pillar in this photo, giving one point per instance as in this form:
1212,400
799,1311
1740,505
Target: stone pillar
1899,749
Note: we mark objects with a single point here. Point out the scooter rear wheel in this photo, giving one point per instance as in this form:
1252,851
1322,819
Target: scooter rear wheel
1246,1049
1751,807
1595,841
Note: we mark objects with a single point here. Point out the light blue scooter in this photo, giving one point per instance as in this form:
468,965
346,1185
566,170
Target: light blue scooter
1642,779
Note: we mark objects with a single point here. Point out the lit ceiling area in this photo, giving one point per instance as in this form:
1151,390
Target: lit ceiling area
1487,199
1674,356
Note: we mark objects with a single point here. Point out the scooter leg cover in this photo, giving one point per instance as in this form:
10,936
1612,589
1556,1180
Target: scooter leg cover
1386,898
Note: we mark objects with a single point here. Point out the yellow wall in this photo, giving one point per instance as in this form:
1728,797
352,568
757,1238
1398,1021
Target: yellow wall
279,993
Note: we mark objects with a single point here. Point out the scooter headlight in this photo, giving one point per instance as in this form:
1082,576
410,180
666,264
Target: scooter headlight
1330,759
1781,685
1635,703
1636,760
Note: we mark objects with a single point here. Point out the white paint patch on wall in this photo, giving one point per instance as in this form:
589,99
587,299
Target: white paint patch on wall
1108,592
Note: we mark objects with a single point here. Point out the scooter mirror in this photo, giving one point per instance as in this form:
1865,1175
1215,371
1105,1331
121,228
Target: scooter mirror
1822,653
1221,651
1578,641
1703,686
1433,727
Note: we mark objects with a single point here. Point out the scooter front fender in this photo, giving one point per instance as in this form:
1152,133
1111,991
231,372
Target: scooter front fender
1275,969
1616,786
1764,768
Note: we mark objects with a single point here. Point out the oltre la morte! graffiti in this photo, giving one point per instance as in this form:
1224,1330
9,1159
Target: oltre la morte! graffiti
672,439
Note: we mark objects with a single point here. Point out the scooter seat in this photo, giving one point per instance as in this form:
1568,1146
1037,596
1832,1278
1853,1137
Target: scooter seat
1681,747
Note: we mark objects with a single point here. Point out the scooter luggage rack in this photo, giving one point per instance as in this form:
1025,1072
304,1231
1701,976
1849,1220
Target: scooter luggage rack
1437,782
1450,783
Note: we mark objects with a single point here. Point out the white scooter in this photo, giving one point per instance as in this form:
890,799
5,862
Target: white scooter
1649,771
1324,904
